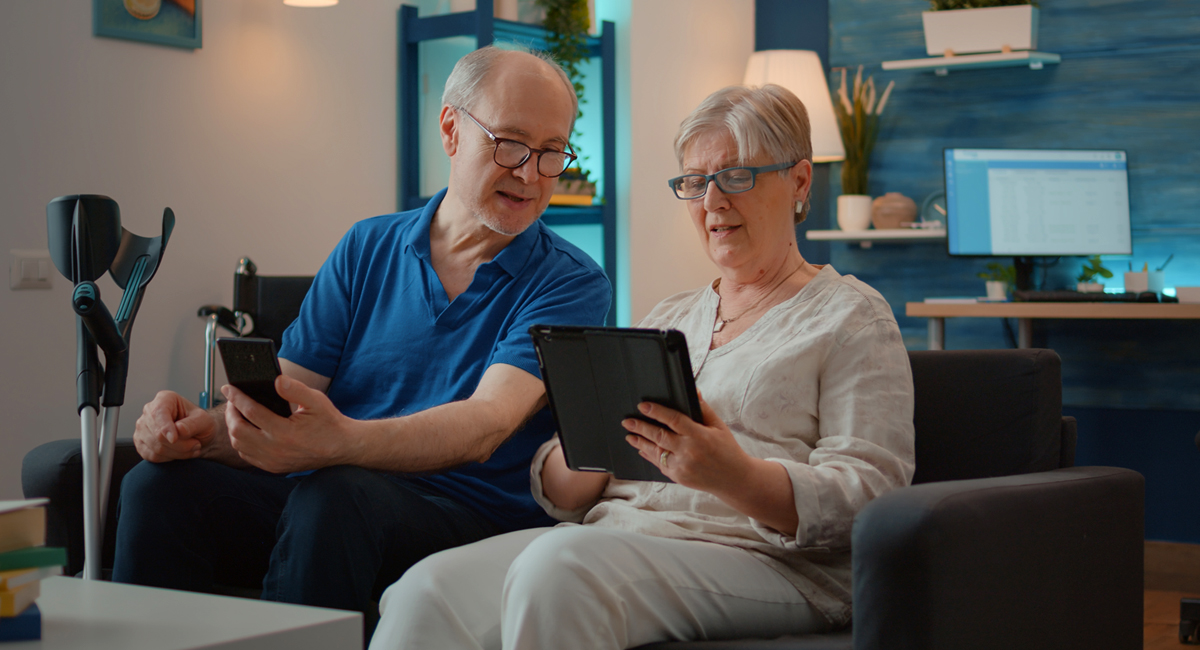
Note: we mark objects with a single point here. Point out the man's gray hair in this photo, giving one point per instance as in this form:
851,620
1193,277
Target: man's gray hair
768,120
464,86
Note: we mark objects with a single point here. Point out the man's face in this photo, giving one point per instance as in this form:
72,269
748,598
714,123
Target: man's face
522,100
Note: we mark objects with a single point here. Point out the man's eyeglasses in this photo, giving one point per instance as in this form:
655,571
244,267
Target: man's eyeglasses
733,180
511,154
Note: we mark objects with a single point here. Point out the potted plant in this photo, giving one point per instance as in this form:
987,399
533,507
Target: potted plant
567,23
1092,268
858,121
999,278
970,26
573,188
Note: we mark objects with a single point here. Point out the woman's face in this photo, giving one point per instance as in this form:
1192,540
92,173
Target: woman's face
748,232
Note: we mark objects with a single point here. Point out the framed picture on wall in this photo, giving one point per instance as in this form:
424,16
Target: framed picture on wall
162,22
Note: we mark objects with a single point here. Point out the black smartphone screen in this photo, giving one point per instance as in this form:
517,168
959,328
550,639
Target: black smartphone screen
251,366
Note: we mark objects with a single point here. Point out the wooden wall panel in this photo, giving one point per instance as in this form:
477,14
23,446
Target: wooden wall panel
1127,81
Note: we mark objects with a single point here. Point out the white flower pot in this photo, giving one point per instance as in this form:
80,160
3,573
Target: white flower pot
854,211
997,290
1089,287
989,29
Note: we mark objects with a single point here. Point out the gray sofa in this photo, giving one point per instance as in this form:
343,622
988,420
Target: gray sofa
1000,542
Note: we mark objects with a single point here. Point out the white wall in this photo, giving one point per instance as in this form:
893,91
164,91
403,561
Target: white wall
269,141
680,52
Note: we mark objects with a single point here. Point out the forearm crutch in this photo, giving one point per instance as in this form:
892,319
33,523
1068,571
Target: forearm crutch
86,240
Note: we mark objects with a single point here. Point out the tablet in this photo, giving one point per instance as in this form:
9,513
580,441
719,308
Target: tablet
596,376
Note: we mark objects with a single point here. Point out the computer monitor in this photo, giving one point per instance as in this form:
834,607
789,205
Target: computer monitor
1037,202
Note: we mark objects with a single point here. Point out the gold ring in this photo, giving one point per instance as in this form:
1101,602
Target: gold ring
662,458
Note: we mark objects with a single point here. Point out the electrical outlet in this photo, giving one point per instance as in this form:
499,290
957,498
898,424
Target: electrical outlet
29,269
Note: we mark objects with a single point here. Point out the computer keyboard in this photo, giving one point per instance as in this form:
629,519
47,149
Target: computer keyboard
1080,296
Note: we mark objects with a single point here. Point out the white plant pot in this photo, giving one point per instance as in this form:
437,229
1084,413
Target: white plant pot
997,290
989,29
1089,287
1140,281
854,211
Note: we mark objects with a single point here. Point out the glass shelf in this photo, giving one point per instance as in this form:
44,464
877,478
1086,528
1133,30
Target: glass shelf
866,238
942,65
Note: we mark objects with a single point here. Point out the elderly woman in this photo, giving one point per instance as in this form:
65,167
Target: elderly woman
807,408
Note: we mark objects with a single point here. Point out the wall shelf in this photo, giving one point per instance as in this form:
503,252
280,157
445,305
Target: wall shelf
485,28
942,65
866,238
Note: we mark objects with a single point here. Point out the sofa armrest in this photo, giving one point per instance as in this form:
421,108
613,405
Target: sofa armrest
1044,560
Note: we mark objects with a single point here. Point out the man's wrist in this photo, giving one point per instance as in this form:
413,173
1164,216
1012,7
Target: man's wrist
355,435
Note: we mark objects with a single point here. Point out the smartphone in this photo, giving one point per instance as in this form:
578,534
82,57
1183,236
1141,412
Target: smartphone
251,366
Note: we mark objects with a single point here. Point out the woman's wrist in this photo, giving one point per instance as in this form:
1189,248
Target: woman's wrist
566,488
762,490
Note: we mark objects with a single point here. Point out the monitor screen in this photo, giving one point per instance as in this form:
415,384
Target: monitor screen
1037,202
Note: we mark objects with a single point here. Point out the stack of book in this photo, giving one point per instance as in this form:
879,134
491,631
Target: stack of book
25,561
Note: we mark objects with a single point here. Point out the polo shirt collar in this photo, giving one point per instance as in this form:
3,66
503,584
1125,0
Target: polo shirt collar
512,258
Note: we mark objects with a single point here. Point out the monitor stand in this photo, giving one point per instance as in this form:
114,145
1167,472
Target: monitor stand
1024,267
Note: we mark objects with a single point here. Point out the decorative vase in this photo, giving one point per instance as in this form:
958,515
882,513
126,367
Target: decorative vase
1089,287
987,29
892,210
997,290
854,211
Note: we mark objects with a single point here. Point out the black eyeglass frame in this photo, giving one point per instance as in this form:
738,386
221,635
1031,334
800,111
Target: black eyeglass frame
497,140
713,178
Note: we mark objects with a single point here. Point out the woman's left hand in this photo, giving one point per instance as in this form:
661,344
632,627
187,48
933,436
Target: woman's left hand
700,455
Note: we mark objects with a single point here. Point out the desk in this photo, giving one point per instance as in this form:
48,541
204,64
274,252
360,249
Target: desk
102,615
1025,312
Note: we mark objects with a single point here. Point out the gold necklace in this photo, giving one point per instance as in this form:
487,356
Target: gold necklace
721,322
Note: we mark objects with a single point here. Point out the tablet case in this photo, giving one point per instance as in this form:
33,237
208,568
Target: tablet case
596,376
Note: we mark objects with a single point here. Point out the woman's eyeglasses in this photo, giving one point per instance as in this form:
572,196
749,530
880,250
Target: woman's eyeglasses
733,180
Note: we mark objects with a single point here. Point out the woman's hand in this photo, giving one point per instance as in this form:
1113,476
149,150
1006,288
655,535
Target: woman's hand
701,455
705,456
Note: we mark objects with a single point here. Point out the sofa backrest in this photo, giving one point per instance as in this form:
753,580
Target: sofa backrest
983,413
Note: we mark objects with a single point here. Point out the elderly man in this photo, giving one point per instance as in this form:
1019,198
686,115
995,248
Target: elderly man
417,404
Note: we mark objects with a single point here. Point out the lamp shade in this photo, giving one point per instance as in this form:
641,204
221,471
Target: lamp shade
800,71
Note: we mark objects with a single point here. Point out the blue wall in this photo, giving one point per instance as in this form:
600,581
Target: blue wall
1127,81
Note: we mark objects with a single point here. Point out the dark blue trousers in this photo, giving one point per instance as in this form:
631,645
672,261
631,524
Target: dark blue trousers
335,538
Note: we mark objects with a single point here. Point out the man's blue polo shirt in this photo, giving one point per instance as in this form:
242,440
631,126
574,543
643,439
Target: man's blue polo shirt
379,324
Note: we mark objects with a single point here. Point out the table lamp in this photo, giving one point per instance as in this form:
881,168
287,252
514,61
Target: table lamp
801,72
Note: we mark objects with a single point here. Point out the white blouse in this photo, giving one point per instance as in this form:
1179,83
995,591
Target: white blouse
820,384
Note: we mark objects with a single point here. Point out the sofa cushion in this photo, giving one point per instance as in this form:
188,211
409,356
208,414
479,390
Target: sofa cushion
984,413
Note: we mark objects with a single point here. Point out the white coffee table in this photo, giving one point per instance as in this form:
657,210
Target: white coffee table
102,616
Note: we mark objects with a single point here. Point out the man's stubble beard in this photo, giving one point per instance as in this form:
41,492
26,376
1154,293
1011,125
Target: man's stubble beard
496,227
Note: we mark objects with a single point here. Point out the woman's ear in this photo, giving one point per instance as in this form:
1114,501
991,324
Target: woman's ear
801,177
448,127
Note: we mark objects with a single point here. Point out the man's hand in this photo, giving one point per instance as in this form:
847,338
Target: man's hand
316,435
172,428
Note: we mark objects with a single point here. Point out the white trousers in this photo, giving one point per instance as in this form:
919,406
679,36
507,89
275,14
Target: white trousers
587,587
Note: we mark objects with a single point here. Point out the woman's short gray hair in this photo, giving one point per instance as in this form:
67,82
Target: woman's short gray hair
463,86
768,120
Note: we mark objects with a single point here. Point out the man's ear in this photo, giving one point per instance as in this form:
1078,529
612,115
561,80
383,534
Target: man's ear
448,126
